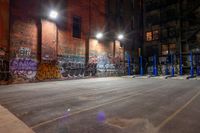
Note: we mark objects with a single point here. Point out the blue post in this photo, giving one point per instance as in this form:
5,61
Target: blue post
129,65
197,62
191,65
141,67
172,65
166,69
155,71
181,65
133,67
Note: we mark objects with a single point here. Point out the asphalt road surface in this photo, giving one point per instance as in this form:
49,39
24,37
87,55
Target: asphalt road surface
106,105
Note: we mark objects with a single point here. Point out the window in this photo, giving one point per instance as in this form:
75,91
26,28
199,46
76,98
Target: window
155,35
165,50
77,27
172,48
168,49
149,36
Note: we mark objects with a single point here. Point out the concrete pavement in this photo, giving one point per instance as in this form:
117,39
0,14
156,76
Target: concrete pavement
11,124
106,105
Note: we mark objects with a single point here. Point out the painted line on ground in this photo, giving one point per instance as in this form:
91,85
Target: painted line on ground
172,116
82,111
88,92
93,108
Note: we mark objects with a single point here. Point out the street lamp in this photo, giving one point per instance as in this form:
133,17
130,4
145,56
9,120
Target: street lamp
53,14
99,35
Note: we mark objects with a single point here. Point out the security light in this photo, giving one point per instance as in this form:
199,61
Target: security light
53,14
99,35
120,36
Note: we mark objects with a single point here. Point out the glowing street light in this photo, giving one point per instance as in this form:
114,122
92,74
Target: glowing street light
53,14
99,35
120,36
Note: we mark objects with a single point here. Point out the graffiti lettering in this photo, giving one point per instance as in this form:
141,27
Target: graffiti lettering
23,68
4,73
72,66
106,65
48,71
24,52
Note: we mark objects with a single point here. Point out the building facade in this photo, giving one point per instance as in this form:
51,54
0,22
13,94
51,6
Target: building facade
125,16
170,26
35,47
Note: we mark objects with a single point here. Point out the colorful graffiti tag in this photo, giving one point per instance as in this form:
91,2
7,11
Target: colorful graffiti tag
23,68
106,65
72,66
4,66
24,52
48,71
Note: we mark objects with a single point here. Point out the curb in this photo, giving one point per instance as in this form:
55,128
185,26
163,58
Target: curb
186,77
11,124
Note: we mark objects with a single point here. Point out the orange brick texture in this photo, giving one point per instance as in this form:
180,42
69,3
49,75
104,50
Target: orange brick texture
59,49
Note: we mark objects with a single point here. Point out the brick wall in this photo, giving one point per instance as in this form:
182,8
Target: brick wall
63,56
4,25
4,37
49,40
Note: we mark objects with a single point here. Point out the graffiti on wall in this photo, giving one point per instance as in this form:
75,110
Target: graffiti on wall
72,66
106,65
24,68
23,37
24,52
48,71
4,66
2,52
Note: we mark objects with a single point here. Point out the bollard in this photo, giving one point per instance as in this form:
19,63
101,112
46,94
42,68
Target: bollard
191,65
129,65
155,70
133,66
166,68
181,65
172,65
197,65
141,67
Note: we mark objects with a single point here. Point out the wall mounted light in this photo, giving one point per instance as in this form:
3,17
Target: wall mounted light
120,37
99,35
53,14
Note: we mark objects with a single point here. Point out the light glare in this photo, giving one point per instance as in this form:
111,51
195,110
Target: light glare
99,35
53,14
120,36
